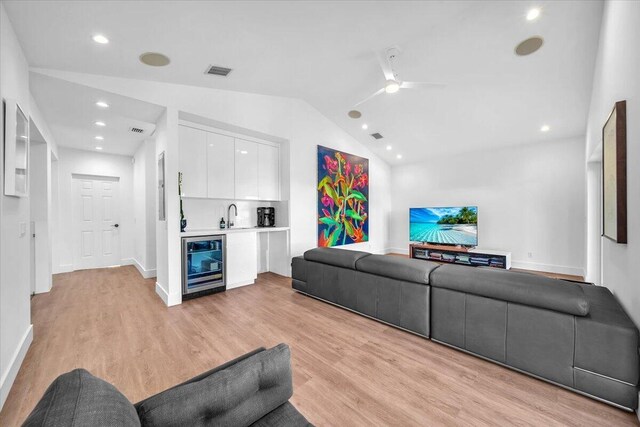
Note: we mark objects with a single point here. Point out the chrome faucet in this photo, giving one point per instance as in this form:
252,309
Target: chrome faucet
235,208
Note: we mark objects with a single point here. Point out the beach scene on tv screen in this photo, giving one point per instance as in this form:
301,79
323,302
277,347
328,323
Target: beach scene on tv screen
452,225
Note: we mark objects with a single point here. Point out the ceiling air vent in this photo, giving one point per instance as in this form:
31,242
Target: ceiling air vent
377,135
136,130
218,71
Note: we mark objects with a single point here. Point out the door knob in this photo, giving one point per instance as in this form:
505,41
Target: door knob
116,225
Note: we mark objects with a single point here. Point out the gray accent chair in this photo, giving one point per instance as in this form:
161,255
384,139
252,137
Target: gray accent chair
571,334
252,390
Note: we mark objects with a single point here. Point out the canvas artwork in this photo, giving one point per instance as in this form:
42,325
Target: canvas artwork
343,198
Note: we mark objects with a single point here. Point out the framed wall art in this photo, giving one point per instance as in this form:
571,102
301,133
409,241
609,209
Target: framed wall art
614,174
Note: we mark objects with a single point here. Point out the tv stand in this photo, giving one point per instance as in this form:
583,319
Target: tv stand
472,257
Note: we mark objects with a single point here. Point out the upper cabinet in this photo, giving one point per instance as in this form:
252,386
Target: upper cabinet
193,162
268,172
246,160
219,166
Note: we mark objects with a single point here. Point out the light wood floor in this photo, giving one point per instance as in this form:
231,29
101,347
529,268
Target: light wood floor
348,370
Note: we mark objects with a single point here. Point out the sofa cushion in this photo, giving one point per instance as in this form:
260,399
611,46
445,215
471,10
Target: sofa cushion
338,257
283,416
78,398
406,269
522,288
237,395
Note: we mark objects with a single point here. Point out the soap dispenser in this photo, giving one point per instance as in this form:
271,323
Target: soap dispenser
222,223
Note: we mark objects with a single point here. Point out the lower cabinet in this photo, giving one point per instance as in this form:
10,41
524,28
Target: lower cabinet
242,255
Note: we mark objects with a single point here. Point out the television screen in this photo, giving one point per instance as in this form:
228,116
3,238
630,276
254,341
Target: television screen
450,225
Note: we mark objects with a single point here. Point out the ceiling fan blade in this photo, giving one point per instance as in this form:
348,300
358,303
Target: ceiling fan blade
421,85
369,97
386,67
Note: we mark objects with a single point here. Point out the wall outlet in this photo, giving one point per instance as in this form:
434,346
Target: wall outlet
530,254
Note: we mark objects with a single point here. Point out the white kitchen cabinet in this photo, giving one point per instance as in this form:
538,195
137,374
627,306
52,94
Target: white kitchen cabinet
192,161
246,173
221,166
242,253
268,172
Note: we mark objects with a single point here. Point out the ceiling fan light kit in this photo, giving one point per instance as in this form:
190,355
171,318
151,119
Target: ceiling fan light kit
391,86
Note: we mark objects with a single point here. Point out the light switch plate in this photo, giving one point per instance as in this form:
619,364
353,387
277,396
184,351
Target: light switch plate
23,229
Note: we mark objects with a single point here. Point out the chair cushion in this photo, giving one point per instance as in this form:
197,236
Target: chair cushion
522,288
238,395
338,257
406,269
80,399
283,416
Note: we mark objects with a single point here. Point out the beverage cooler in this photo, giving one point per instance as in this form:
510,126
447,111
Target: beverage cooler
203,265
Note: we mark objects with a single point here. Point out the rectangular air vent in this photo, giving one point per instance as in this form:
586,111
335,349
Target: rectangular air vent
218,71
376,135
136,130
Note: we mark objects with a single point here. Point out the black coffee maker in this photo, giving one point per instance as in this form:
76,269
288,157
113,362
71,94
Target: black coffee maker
266,217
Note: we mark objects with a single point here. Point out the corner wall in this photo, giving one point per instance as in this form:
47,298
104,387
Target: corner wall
530,200
617,78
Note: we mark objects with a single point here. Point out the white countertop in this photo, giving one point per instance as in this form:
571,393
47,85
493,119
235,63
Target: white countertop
211,231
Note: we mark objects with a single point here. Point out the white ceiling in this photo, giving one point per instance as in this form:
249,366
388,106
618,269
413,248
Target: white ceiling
71,114
322,52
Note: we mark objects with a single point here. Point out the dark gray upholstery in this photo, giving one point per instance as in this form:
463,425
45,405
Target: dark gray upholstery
78,398
253,389
238,395
338,257
406,269
521,288
572,334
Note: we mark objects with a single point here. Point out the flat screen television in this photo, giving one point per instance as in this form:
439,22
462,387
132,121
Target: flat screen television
444,225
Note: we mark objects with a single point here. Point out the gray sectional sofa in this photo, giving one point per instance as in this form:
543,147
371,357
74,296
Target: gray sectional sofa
252,390
571,334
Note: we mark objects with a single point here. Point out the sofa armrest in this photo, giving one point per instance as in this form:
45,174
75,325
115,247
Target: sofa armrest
240,394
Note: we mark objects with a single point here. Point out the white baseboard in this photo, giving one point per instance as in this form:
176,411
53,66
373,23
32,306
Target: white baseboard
146,273
64,268
14,366
402,251
168,299
550,268
239,284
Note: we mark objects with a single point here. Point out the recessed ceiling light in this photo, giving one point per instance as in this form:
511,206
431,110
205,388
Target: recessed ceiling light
545,128
99,138
24,136
102,104
533,14
154,59
99,38
365,126
243,151
354,114
101,124
389,148
529,46
391,86
399,156
98,148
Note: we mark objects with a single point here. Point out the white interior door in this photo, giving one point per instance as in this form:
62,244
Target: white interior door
96,228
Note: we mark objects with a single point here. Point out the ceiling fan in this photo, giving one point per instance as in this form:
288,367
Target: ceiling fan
393,82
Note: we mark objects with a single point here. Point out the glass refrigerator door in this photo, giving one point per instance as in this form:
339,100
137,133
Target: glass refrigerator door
204,263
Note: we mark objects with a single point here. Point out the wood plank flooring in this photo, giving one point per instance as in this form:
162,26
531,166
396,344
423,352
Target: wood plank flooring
348,370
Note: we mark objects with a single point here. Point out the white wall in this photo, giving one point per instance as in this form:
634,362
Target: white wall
144,187
530,200
91,163
283,118
616,78
15,311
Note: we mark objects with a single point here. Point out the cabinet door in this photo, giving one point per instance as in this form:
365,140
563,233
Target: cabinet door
269,172
193,162
221,166
242,258
246,161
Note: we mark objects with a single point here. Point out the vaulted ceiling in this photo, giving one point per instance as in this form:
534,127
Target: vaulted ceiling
324,52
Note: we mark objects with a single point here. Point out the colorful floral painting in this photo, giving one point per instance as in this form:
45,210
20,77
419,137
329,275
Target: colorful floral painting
343,198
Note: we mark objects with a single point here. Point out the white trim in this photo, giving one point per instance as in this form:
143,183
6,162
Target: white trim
16,361
397,251
147,274
241,283
168,299
549,268
64,268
